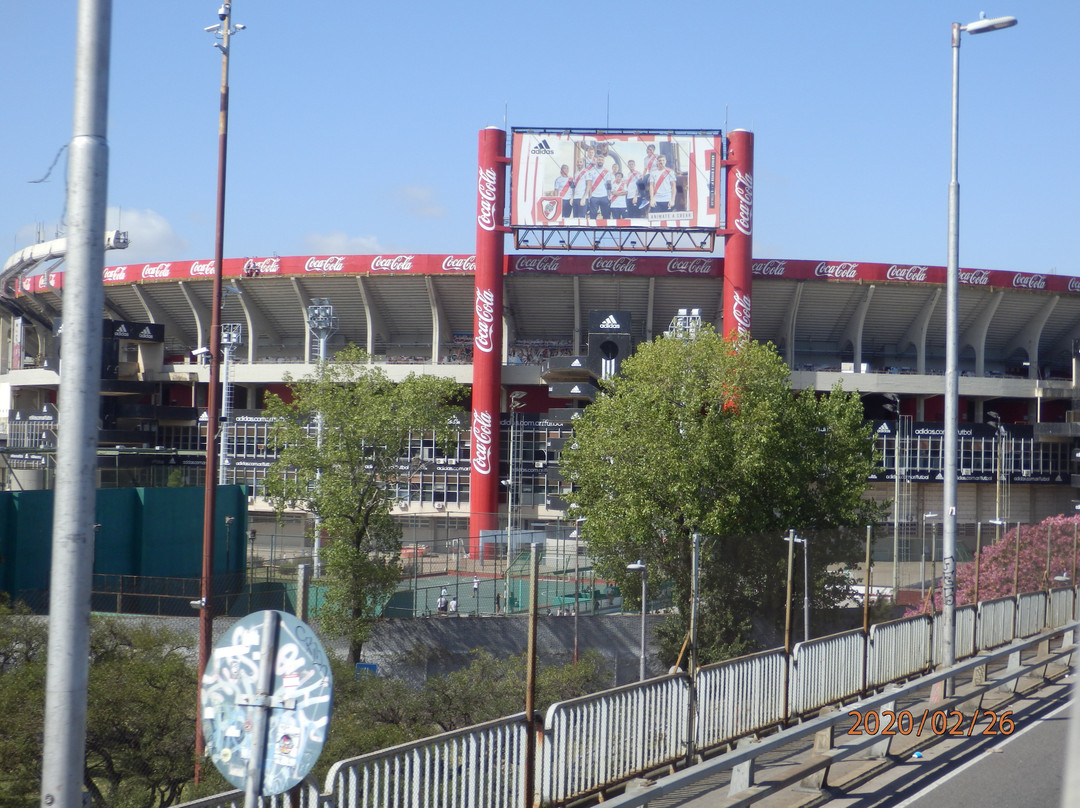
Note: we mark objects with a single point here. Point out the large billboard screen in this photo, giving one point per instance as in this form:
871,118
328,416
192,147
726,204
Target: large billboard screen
563,178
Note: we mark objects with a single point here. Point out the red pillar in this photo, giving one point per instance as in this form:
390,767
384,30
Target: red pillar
487,337
738,249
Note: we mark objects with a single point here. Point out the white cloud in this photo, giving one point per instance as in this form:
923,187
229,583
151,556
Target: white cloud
338,243
151,237
419,200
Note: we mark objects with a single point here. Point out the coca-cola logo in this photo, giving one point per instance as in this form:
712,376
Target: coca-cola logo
740,311
769,269
482,435
465,263
975,277
204,268
333,263
844,272
537,263
257,266
1029,281
484,339
486,189
909,274
27,284
114,274
689,266
1074,285
395,263
744,193
617,264
155,271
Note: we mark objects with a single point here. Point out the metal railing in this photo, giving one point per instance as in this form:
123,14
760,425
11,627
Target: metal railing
593,743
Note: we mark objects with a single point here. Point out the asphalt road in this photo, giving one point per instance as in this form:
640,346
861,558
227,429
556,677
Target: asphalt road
1024,768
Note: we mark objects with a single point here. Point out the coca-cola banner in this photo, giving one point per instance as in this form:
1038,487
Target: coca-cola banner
865,272
622,264
389,264
615,179
545,263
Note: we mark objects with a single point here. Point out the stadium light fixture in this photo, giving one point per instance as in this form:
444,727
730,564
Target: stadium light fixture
952,351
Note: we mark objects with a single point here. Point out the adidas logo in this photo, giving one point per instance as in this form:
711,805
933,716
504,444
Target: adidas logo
610,322
146,333
121,331
542,148
884,429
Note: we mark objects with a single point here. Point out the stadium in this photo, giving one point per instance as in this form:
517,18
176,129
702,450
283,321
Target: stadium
875,328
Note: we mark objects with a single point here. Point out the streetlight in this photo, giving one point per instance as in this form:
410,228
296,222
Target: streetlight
895,407
952,346
223,30
791,537
323,324
577,533
639,566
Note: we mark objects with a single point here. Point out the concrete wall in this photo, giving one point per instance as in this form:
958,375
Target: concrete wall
416,649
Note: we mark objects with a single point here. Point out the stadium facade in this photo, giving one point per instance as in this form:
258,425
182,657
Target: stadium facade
567,319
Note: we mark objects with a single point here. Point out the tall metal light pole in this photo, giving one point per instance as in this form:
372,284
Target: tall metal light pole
323,324
640,566
80,385
896,500
223,31
791,537
952,348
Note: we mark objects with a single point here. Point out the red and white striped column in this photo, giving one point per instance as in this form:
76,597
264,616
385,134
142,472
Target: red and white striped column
487,337
738,248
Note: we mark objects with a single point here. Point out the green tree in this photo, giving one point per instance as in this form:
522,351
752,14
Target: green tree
705,435
1031,558
347,479
140,713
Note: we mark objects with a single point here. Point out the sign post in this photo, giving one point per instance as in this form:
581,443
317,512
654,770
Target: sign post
266,700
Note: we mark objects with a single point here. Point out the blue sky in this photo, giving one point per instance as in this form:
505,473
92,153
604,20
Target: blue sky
353,126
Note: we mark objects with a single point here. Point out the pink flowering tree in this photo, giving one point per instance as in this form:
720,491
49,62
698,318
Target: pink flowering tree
1054,538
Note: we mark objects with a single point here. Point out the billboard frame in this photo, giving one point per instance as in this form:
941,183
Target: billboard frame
625,237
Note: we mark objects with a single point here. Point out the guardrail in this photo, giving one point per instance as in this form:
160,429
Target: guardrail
741,762
591,744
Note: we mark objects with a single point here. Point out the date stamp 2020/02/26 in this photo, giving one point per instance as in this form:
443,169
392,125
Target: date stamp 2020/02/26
939,722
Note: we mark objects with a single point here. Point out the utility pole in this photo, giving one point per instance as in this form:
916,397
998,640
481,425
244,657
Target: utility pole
224,31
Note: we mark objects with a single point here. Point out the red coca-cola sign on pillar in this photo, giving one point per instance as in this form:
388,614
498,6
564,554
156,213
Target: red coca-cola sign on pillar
738,250
487,337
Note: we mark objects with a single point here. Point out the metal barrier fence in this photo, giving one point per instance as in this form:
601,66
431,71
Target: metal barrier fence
761,702
826,670
997,622
898,649
592,743
1030,614
963,639
472,767
613,735
1062,608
